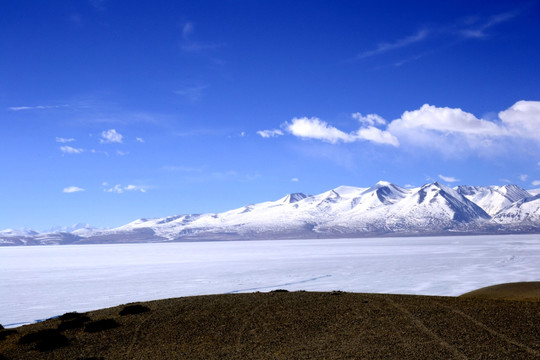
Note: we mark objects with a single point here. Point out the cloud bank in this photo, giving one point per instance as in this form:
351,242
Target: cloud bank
448,130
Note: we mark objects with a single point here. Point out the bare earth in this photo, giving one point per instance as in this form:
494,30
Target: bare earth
291,325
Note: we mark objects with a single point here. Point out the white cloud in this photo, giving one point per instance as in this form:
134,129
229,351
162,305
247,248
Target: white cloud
522,119
122,153
111,136
369,119
432,118
523,177
295,179
376,135
449,179
72,189
140,140
454,130
270,133
315,128
64,140
70,150
536,182
119,189
384,47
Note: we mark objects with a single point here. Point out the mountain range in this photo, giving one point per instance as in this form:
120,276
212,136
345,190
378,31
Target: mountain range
384,209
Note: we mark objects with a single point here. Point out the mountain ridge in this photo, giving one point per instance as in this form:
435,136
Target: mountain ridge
384,209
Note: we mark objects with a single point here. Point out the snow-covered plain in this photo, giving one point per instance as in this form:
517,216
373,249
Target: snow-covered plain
44,281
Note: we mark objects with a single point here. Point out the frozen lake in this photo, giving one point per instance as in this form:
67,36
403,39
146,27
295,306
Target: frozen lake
44,281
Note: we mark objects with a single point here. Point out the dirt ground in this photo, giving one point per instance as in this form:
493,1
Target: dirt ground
289,325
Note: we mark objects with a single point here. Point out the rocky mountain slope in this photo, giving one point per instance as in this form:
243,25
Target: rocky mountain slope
384,209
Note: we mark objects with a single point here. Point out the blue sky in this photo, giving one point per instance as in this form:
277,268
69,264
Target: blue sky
111,111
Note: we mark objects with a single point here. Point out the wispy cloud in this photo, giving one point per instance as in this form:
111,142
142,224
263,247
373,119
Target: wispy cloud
369,119
536,182
70,150
473,28
38,107
181,168
98,4
111,136
64,140
449,179
477,29
122,153
72,189
401,43
139,140
197,47
120,189
295,179
270,133
193,94
191,46
523,177
187,30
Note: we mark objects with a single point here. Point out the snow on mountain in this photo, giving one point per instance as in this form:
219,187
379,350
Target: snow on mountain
534,191
349,211
432,207
525,211
19,232
80,227
493,198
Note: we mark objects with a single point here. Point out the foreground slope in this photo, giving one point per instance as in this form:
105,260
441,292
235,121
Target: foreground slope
285,325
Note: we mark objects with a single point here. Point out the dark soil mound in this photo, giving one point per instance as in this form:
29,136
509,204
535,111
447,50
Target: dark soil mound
6,332
100,325
75,323
134,309
72,316
45,340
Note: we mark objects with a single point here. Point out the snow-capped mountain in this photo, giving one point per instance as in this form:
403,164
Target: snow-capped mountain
346,211
493,198
524,211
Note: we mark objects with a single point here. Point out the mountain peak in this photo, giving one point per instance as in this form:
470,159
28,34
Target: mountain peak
294,197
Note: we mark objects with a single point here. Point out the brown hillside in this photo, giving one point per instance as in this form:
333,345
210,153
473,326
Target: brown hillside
512,291
289,325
